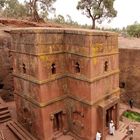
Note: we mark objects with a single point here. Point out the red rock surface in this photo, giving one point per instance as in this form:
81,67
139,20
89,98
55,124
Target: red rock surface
129,61
5,64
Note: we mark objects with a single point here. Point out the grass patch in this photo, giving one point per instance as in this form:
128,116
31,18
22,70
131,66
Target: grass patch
132,115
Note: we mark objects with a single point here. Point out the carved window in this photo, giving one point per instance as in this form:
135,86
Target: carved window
106,66
53,68
24,68
77,67
122,84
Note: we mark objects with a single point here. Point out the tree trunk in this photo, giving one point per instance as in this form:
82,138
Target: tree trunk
93,24
36,17
34,12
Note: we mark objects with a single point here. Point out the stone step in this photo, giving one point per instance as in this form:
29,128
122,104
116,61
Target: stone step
16,132
3,107
123,128
19,131
74,136
4,112
5,120
57,135
5,116
24,130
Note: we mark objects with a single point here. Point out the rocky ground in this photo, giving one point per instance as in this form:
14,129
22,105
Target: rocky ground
24,23
129,42
120,134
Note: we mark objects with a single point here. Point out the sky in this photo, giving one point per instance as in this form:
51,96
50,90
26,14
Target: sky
128,12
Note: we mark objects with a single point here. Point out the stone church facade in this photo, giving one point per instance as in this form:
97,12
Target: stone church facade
66,81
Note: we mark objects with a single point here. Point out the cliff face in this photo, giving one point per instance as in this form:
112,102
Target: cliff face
129,61
6,79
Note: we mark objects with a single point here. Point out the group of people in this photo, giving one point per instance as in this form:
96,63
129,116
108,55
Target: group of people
111,130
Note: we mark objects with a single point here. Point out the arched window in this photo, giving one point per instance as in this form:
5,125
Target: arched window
53,68
77,67
24,68
106,66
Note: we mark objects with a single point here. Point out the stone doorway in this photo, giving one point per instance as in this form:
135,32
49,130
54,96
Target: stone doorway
107,111
57,122
108,116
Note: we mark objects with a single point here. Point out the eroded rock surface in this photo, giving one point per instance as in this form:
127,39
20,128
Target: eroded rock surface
6,78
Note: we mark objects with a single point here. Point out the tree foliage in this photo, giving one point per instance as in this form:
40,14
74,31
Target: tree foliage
12,8
134,30
2,3
59,19
97,10
39,6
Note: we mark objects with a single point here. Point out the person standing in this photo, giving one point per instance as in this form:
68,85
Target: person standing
98,135
131,103
111,128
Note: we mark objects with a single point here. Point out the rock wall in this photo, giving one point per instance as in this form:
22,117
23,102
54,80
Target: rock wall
130,75
6,79
64,79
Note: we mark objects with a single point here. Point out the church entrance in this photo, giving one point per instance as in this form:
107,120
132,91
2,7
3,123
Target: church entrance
109,116
108,110
57,122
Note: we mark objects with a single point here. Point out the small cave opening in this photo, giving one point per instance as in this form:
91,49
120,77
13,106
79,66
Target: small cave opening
122,85
1,86
53,68
24,68
11,69
77,67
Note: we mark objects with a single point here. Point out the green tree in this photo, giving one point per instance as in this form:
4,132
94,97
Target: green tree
2,3
134,30
97,10
12,8
34,6
59,19
1,6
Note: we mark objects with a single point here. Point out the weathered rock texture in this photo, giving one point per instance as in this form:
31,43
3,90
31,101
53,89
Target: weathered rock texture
65,80
6,78
130,74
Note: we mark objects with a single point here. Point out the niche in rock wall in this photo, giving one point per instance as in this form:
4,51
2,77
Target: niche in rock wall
1,86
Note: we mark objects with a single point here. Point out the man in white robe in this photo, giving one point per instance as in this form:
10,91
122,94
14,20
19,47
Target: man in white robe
111,128
98,135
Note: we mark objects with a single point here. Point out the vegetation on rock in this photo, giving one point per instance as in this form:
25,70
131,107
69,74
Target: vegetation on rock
132,115
44,6
134,30
12,8
36,10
